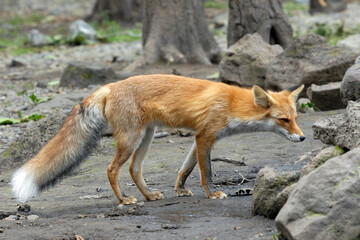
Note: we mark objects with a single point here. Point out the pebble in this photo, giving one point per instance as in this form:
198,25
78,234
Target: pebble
140,204
131,210
23,208
120,206
32,217
12,218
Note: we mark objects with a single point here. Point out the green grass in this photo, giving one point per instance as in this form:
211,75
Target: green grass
31,19
291,8
214,4
15,44
111,31
334,32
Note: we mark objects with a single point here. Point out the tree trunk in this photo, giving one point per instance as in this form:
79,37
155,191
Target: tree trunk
119,10
327,6
265,17
176,31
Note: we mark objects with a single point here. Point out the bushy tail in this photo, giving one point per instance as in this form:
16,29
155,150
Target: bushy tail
79,135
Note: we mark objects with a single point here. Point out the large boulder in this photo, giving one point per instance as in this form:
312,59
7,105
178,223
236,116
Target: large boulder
350,85
325,204
82,74
245,63
342,130
326,97
271,190
352,41
35,137
310,60
321,158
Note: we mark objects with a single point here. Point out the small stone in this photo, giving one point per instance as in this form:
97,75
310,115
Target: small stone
12,218
120,206
23,208
131,210
80,27
32,217
303,106
140,204
36,38
94,197
170,141
161,134
169,226
16,63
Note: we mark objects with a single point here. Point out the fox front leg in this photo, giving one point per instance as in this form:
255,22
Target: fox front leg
203,156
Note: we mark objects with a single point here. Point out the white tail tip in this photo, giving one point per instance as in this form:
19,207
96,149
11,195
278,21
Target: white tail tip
23,185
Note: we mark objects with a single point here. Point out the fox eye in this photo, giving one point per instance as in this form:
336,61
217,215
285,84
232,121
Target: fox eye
284,120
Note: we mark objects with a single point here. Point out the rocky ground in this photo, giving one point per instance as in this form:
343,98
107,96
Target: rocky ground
84,205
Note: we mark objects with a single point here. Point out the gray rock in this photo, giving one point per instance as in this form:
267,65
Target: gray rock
221,20
352,41
330,6
310,60
321,158
29,143
302,105
325,204
12,218
342,130
272,187
81,74
245,63
350,85
326,97
80,27
36,38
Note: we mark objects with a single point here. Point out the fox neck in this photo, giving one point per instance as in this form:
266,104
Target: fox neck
245,116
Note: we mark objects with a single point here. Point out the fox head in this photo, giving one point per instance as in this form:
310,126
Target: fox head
280,111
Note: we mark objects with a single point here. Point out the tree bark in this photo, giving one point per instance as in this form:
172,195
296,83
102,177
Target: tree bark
176,31
118,10
327,6
265,17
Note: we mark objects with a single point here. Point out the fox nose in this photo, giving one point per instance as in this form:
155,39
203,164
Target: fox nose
302,138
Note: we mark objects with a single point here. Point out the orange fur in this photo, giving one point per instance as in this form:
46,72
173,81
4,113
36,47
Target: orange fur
133,107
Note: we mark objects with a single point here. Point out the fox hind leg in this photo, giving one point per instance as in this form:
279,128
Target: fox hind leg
186,169
125,148
137,164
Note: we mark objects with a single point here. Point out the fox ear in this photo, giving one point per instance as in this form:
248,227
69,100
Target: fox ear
295,93
262,98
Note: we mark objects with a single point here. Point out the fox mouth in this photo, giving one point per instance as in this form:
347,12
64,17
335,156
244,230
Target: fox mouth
291,137
295,138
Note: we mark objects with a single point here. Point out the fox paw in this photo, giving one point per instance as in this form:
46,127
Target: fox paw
128,200
218,194
155,195
185,192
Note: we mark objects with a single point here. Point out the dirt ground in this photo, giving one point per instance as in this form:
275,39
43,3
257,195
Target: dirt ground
83,204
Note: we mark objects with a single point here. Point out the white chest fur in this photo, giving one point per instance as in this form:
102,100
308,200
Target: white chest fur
236,126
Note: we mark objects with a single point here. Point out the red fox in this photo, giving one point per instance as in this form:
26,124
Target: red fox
132,108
